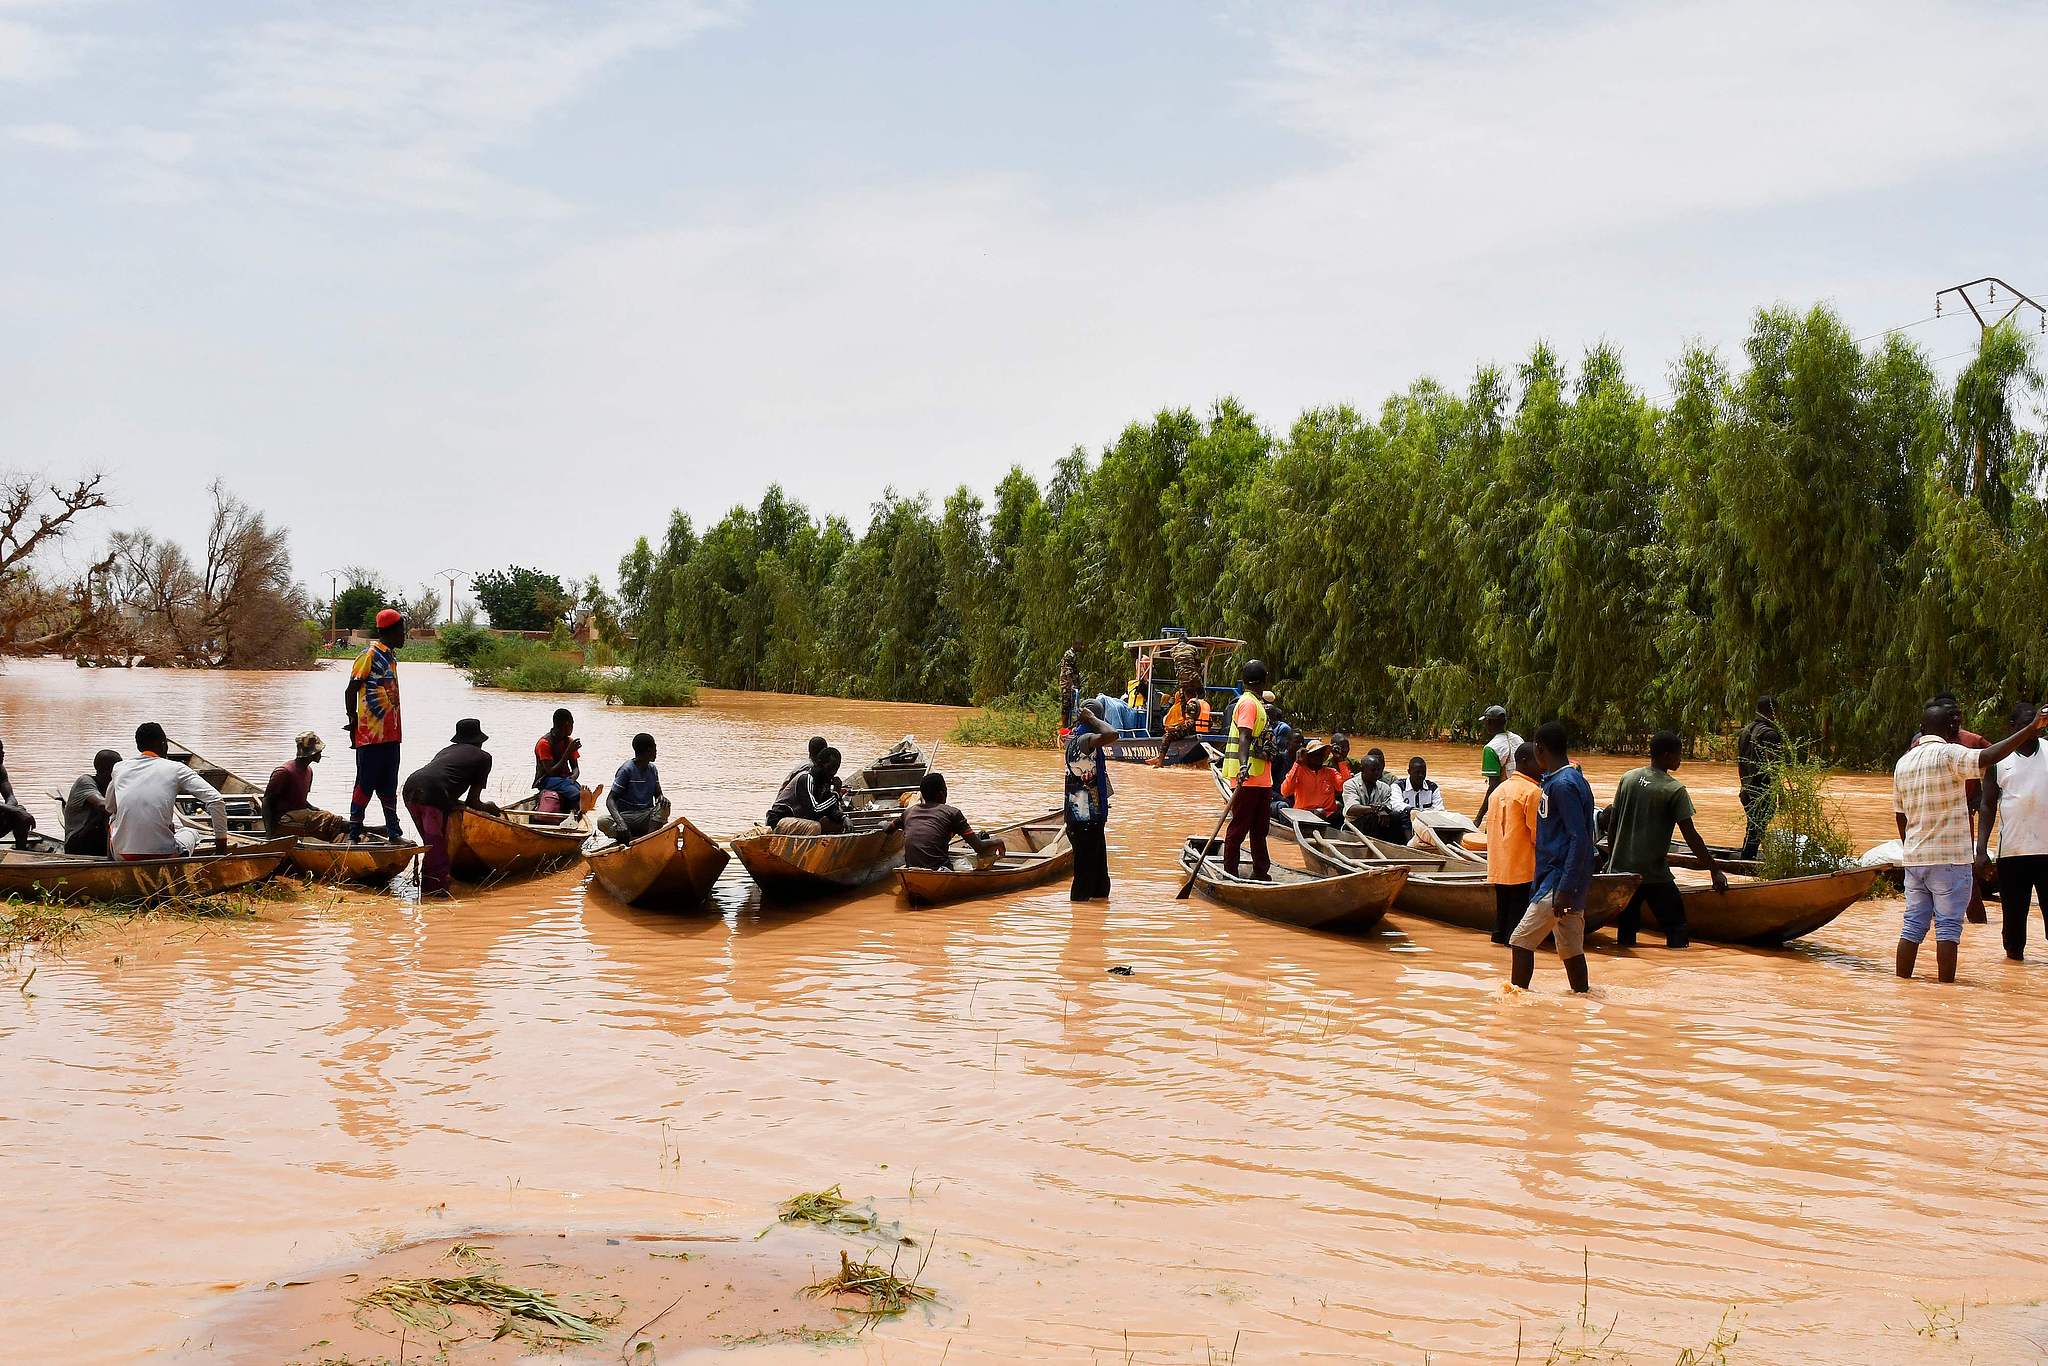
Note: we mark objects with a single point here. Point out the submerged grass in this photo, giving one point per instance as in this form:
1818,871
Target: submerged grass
880,1292
49,923
428,1303
1807,832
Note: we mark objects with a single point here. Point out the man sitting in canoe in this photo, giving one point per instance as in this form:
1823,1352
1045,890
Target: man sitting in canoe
1418,791
15,819
819,744
813,801
1648,802
558,764
1311,785
286,810
929,827
142,802
85,807
453,778
1373,806
633,804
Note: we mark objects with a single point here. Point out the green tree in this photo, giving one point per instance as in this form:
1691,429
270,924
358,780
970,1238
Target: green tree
520,599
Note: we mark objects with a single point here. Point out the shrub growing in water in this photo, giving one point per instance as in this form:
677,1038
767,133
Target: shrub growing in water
1012,723
668,683
520,665
1806,833
462,643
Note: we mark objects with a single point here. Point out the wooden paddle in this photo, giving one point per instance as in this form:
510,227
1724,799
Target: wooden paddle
1196,866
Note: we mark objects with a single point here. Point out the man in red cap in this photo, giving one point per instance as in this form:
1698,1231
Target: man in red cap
373,729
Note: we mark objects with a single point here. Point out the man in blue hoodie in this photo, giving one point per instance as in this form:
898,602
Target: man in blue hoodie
1564,865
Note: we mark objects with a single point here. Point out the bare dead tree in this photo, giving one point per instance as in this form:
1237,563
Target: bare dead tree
36,614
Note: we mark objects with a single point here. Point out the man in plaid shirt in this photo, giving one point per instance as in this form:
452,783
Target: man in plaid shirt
1930,799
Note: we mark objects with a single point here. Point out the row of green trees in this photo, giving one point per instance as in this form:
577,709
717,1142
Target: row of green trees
1826,523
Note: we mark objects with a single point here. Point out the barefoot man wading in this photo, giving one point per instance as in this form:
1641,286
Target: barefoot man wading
1930,799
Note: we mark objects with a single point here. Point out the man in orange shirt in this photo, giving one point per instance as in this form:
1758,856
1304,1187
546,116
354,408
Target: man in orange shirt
1511,815
1250,777
1312,784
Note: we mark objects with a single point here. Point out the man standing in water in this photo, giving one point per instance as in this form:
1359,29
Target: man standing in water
1930,799
1511,842
1648,803
1564,865
1250,777
1497,760
373,729
1757,749
2016,793
453,778
1070,684
1087,788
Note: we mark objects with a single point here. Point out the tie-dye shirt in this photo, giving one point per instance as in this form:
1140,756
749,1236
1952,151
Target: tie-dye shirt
377,704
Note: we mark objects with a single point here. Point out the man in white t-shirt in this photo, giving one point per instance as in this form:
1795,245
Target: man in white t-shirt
2016,798
1497,760
1931,802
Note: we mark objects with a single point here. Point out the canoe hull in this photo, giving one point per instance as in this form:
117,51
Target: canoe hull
482,847
1466,899
796,867
672,868
1769,914
1050,856
146,882
1356,899
370,863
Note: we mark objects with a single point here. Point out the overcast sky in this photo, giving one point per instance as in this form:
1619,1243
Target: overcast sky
491,282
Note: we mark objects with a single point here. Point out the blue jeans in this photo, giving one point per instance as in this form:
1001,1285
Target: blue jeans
567,789
1938,895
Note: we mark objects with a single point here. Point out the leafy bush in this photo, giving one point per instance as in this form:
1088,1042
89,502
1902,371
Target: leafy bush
1806,832
1013,723
519,665
461,644
666,684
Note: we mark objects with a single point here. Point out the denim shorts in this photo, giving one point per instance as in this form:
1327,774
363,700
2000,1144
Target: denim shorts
1938,895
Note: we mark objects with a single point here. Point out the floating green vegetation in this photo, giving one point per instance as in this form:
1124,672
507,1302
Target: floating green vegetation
1011,723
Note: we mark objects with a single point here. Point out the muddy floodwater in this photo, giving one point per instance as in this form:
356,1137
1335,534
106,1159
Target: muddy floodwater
1261,1145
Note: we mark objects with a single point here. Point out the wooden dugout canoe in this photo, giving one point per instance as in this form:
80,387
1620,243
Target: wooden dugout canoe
793,867
1465,898
1333,849
883,781
68,877
1769,914
1038,851
1355,899
671,868
483,847
373,862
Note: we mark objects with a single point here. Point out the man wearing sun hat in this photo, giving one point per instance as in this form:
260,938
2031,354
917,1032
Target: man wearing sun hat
453,778
373,726
286,808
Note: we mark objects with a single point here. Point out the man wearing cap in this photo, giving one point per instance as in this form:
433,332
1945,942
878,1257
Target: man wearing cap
1497,760
453,778
286,810
373,728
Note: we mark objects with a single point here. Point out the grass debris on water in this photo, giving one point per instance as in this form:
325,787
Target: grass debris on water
828,1208
427,1304
880,1291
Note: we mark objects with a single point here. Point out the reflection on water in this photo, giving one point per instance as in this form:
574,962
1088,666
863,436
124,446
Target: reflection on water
1339,1149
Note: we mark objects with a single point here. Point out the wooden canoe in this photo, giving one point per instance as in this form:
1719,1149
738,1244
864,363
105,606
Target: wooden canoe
883,781
1768,914
1466,899
671,868
524,839
793,867
1288,823
1352,900
1334,849
373,862
1038,851
68,877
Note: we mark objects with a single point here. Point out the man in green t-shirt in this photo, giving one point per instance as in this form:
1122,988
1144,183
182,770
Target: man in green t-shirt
1648,802
1497,759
